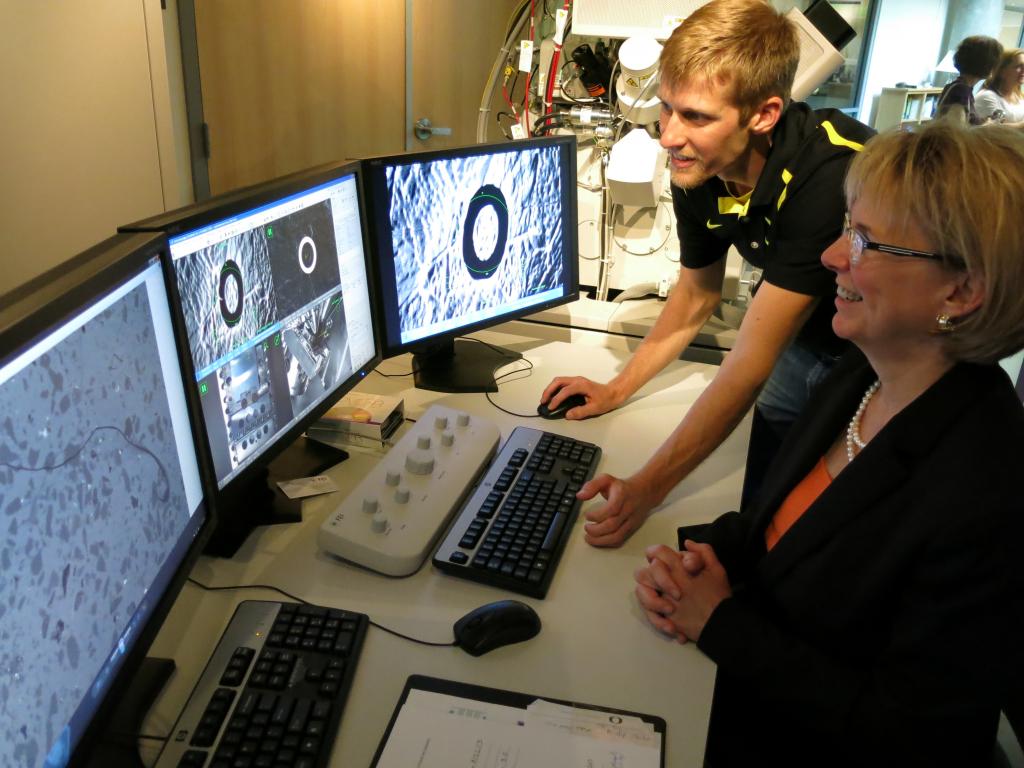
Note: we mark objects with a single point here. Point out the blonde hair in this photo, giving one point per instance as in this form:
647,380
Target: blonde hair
964,189
1006,60
745,46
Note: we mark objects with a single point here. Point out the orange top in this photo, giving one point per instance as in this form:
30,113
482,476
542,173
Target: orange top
799,499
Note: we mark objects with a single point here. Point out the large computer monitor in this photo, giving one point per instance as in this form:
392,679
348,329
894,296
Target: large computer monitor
101,490
467,238
275,296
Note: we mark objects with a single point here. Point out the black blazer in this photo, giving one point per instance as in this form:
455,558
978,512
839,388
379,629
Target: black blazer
886,624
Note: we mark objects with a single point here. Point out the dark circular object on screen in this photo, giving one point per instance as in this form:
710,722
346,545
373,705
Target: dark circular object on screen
487,195
230,273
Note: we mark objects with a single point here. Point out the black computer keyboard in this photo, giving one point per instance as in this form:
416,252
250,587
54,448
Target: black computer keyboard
273,691
511,531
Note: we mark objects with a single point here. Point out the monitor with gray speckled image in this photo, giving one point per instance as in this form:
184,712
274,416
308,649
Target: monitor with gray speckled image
101,496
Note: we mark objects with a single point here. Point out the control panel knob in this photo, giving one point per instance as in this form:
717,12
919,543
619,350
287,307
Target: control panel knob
423,442
402,495
447,438
370,504
462,419
379,524
419,462
441,422
393,477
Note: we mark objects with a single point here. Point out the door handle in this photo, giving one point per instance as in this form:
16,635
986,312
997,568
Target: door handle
424,130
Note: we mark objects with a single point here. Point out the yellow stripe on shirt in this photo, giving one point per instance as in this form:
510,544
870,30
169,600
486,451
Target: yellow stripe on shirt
786,178
839,141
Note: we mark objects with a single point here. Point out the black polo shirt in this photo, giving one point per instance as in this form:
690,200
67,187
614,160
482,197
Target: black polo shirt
793,214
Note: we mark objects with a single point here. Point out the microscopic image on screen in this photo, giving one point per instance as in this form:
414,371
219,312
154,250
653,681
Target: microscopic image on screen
474,233
303,257
92,498
247,402
226,294
317,356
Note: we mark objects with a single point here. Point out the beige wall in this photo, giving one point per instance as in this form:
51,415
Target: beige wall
87,130
94,131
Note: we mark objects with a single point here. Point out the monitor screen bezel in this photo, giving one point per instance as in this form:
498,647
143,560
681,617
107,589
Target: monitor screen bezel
234,204
382,248
28,313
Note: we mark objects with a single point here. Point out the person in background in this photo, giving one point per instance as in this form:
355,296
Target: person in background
1000,98
750,169
974,59
869,608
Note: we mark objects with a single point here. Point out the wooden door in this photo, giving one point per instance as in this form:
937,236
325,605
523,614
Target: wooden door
288,84
454,46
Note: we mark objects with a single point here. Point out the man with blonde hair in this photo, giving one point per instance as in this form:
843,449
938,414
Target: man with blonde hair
749,169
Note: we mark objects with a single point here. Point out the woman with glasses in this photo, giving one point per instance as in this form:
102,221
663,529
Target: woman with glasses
868,608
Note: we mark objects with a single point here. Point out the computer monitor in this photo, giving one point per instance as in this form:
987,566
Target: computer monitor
467,238
101,490
275,297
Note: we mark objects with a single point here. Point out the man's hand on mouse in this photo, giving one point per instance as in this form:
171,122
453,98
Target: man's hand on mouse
601,398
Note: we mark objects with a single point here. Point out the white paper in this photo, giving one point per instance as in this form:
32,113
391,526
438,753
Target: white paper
592,724
301,487
439,731
469,708
525,55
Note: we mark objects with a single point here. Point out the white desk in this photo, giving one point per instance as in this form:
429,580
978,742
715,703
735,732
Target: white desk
595,645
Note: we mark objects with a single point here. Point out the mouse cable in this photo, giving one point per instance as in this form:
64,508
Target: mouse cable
394,375
306,602
497,379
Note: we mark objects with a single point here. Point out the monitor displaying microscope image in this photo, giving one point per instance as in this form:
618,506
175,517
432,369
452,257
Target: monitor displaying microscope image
469,237
276,307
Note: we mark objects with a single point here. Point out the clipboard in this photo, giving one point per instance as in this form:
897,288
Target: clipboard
505,698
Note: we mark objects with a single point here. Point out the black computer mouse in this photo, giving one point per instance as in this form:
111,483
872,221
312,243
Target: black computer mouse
496,624
558,412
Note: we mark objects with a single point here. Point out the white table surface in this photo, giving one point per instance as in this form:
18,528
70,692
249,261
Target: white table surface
595,646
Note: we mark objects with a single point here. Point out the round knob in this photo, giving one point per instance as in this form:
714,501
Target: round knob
420,462
447,438
379,523
423,441
462,419
392,477
440,422
370,504
402,495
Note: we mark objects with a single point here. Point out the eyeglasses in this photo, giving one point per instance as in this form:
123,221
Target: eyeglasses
859,244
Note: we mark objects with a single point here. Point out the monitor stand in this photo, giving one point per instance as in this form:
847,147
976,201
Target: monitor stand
258,501
118,744
460,365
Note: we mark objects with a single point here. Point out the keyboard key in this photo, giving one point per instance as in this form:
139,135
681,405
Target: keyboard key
193,757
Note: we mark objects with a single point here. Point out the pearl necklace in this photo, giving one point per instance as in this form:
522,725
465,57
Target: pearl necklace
854,443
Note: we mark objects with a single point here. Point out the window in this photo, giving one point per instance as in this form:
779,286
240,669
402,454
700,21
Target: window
1011,32
844,88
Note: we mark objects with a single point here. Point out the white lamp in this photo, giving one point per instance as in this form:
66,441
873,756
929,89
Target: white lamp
945,67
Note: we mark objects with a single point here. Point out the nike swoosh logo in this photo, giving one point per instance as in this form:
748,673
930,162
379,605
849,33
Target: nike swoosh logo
713,226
